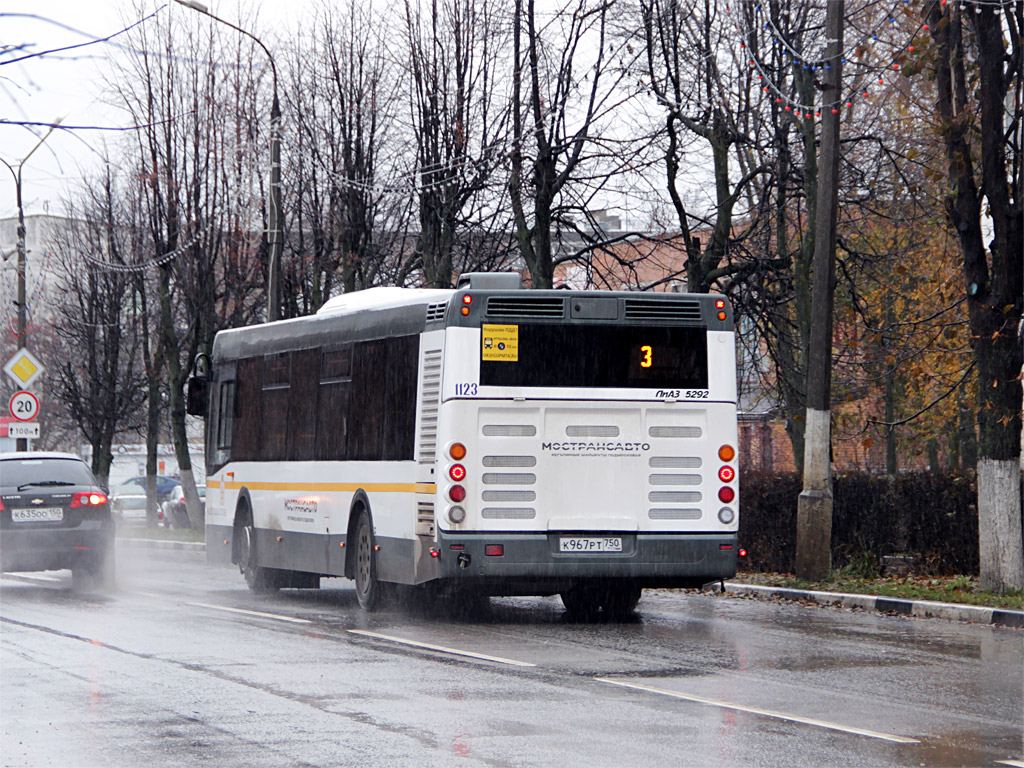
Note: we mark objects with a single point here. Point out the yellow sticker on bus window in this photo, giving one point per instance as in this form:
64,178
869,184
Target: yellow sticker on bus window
500,342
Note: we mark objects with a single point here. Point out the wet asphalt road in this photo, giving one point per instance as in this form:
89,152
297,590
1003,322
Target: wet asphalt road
182,666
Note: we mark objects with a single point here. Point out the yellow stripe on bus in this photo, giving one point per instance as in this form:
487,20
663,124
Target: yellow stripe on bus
329,487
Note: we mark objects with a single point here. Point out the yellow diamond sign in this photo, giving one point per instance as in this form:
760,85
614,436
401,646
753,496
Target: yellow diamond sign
23,367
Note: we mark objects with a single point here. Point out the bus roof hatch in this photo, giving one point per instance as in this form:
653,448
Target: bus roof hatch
490,281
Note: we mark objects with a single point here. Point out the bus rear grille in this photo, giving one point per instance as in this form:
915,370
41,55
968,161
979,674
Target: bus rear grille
525,306
661,497
670,513
510,461
509,495
425,518
435,312
653,309
508,513
428,408
675,462
509,430
675,431
675,479
592,431
509,478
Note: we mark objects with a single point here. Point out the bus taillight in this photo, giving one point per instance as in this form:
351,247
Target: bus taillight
457,451
725,494
727,453
457,472
457,493
725,474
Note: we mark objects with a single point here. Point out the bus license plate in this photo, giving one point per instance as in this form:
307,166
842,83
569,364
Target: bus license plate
589,544
36,515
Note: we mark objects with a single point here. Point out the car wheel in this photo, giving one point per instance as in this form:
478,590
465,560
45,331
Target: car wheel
98,573
260,580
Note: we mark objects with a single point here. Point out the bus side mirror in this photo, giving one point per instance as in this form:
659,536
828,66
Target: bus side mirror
197,395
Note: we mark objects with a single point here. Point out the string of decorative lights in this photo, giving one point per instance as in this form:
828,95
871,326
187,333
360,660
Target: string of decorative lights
869,41
142,266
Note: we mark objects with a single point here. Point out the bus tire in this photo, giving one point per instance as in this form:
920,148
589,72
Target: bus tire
260,580
581,602
620,599
369,591
616,599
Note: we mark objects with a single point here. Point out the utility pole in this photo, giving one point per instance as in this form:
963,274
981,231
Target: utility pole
22,265
814,507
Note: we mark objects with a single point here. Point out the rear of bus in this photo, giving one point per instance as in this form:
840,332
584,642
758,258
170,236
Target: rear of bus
586,436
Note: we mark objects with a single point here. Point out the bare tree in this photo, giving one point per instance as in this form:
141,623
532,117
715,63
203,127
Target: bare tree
978,86
99,376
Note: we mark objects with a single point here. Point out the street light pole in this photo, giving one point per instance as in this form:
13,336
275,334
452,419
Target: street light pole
22,265
275,224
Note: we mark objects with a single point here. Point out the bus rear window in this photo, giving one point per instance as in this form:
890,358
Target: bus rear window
635,357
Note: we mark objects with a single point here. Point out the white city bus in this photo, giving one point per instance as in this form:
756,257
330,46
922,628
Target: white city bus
485,439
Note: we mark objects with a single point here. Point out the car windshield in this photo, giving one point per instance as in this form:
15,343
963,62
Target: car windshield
38,471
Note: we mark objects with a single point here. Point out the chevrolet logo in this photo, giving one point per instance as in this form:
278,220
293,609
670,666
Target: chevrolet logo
37,501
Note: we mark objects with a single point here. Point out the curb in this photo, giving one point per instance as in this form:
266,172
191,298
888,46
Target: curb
922,609
181,546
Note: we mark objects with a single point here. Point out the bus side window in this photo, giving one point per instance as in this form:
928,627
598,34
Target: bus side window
332,404
277,373
225,416
248,391
302,405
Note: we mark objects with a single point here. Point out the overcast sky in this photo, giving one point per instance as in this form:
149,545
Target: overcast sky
67,85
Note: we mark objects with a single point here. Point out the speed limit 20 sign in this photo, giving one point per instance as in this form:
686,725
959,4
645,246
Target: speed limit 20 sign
24,406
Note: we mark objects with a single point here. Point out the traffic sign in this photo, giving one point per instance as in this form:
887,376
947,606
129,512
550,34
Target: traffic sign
23,367
24,406
22,430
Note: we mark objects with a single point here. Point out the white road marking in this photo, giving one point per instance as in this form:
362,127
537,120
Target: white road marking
441,648
764,712
1014,763
252,613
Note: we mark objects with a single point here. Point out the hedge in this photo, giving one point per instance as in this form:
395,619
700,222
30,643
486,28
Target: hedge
928,515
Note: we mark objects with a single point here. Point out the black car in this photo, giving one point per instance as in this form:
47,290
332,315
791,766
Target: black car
54,515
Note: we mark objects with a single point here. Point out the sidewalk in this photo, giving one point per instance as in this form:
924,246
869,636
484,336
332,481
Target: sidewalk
922,609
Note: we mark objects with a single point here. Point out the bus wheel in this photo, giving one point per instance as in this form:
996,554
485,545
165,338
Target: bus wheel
620,600
582,601
369,591
260,580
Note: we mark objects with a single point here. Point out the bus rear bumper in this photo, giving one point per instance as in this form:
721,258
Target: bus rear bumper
651,560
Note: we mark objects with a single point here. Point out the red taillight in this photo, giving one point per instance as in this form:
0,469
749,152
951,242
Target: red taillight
467,299
720,304
457,472
86,499
494,550
743,553
726,494
457,493
727,474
